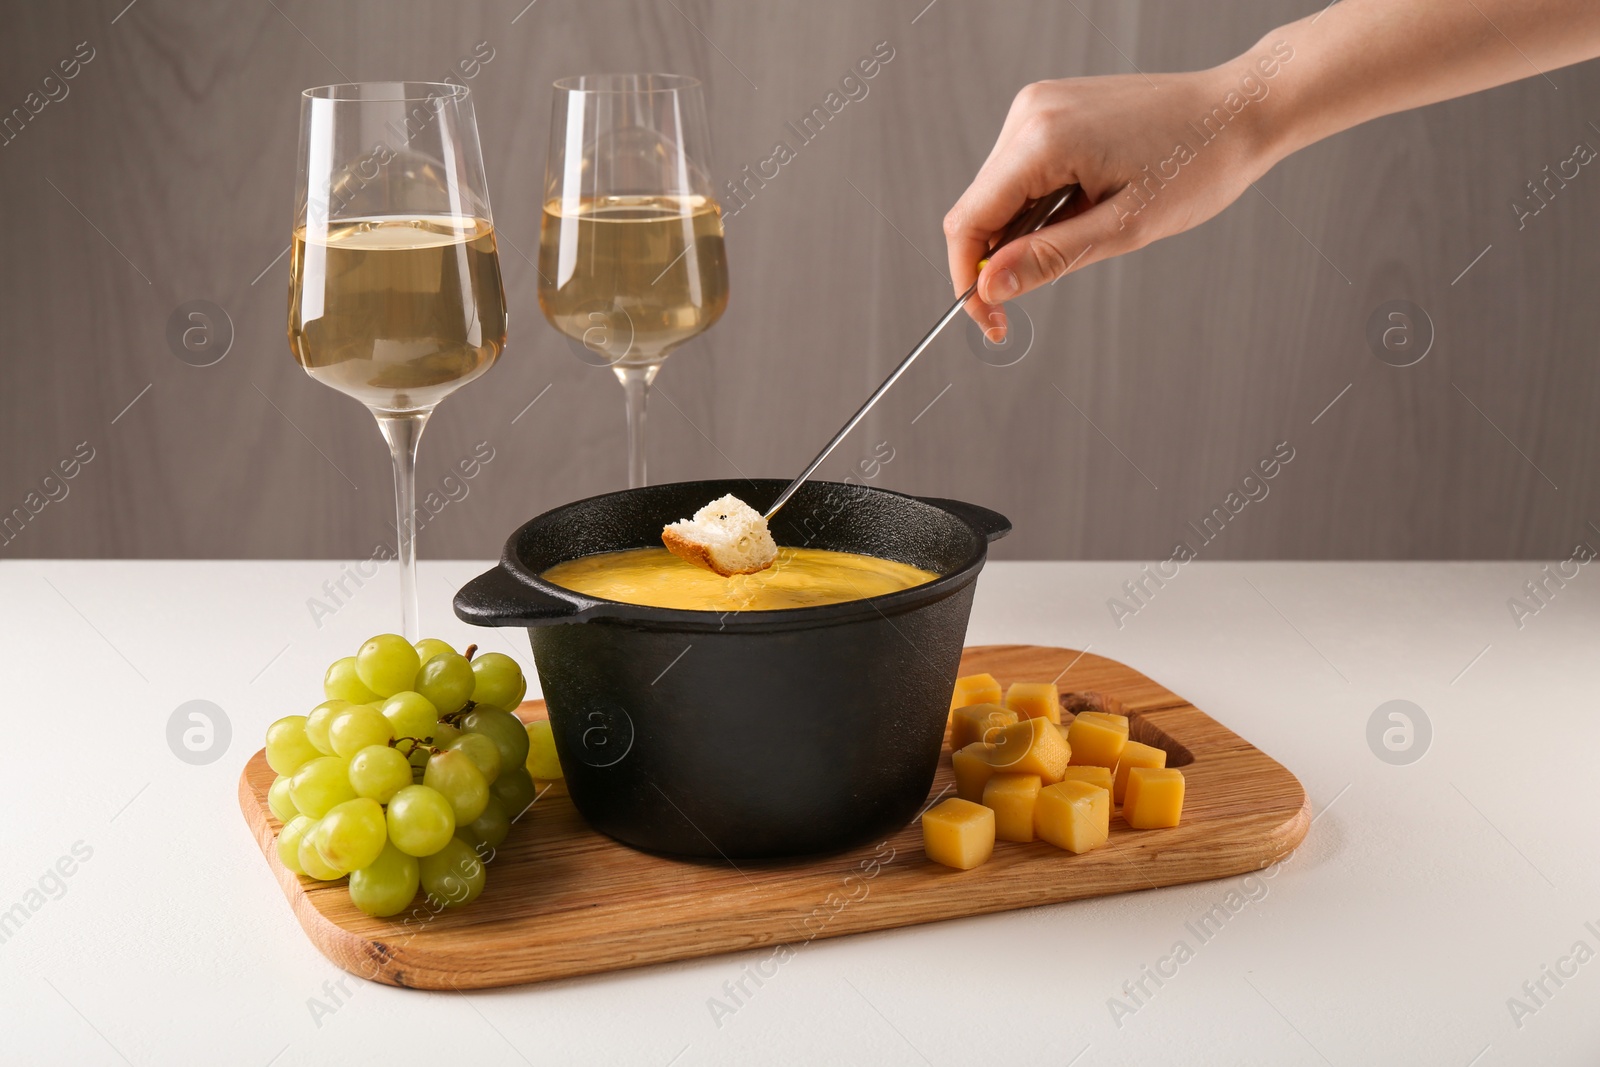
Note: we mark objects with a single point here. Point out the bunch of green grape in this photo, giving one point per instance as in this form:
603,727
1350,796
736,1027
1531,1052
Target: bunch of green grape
409,775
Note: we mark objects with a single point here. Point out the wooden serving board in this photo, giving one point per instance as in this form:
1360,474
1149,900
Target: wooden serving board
563,900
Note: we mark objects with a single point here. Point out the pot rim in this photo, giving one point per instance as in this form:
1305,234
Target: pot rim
551,604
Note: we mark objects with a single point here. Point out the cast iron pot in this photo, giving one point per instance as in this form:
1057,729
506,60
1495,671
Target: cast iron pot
762,733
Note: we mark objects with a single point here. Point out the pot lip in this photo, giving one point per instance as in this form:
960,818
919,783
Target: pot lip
598,609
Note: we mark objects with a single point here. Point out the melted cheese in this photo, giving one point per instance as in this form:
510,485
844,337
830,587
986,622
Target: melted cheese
801,578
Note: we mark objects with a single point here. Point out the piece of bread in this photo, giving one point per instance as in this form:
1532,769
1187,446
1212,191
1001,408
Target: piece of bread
726,536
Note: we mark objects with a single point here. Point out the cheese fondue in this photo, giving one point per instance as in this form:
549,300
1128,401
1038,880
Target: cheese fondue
801,578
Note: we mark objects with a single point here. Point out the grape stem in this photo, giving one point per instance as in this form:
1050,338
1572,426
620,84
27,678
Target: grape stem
416,743
471,651
454,718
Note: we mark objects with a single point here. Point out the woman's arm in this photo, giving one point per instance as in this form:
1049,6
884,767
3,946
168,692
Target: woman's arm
1159,154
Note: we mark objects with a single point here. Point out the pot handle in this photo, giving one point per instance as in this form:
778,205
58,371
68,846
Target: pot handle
497,598
991,524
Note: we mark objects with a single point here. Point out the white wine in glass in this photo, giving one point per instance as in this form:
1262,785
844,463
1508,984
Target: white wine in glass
632,261
395,295
403,304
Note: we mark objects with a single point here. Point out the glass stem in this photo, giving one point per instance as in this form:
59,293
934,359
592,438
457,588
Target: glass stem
636,381
403,431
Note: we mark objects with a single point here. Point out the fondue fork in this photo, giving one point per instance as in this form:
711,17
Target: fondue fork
1034,216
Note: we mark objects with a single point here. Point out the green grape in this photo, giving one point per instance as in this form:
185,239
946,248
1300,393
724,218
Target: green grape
387,664
453,774
312,862
421,821
288,748
321,784
418,757
543,763
482,752
378,772
444,733
453,876
352,834
353,729
430,647
522,690
514,790
504,729
448,681
317,724
343,683
279,801
488,831
387,885
498,679
289,841
411,715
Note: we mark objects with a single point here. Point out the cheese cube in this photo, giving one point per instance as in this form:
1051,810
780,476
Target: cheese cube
1096,742
1111,717
958,833
973,768
1035,700
1097,776
977,722
1032,746
1154,798
1135,755
975,689
1075,816
1011,798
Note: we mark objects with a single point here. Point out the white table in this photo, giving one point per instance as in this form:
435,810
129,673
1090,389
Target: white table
1424,898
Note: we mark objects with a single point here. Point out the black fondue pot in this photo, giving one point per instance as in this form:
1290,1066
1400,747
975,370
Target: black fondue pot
746,734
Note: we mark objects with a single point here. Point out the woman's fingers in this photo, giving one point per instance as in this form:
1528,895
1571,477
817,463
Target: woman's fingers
968,229
1097,232
996,287
1094,233
1145,169
1102,134
1031,158
1003,187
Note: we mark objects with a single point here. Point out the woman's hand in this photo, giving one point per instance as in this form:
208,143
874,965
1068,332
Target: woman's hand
1157,155
1154,157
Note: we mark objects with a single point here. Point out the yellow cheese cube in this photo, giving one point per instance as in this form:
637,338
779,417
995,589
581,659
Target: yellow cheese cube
958,833
973,768
977,722
1011,798
1116,720
1096,742
975,689
1097,776
1032,746
1154,798
1135,755
1075,816
1035,700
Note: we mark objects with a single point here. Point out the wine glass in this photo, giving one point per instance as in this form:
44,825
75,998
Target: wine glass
394,294
631,256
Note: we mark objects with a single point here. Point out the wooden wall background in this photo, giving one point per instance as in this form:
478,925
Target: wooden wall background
165,176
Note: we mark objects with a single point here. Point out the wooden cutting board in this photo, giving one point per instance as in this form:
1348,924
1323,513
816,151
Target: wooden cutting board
563,900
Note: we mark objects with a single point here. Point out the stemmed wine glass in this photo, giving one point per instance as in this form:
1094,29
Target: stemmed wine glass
395,295
631,256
